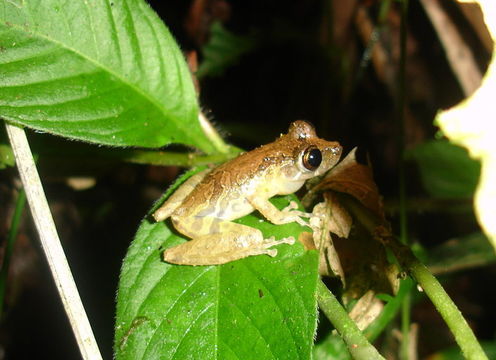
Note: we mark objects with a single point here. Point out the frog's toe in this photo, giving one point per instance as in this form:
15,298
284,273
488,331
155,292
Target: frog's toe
289,240
300,221
271,252
292,206
272,242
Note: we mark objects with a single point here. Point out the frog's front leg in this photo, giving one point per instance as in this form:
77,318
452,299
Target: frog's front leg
276,216
216,241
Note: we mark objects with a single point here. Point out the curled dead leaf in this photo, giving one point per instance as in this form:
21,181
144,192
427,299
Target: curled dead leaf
329,264
354,179
366,310
306,238
339,219
357,257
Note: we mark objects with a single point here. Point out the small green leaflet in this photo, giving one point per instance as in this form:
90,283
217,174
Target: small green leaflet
255,308
223,50
446,169
107,72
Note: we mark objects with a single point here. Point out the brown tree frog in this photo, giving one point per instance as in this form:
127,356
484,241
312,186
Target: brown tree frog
204,206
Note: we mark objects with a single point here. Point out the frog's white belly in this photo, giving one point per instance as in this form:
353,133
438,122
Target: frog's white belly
236,204
227,209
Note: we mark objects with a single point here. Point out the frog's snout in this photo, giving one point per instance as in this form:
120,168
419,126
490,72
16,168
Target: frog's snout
336,149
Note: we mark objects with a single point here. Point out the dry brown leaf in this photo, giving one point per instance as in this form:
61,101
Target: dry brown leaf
458,53
473,13
366,310
329,264
340,221
355,179
306,238
336,218
365,265
357,257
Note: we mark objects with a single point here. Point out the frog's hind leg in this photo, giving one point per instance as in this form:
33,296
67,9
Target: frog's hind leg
231,242
168,207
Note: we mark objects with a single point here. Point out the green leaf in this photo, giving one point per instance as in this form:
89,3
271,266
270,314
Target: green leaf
446,169
467,252
332,347
255,308
222,50
101,71
6,156
454,353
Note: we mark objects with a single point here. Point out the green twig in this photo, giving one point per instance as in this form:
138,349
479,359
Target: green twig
9,247
374,39
401,124
406,306
390,311
358,345
463,334
405,327
168,158
83,152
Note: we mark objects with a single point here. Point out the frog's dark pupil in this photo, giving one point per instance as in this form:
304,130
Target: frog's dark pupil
312,158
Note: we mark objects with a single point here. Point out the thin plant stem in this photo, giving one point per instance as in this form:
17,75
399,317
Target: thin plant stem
462,332
212,134
9,247
401,123
170,158
137,156
358,345
374,39
51,245
390,311
457,324
406,305
405,326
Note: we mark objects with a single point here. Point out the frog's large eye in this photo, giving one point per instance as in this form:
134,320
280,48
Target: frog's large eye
311,159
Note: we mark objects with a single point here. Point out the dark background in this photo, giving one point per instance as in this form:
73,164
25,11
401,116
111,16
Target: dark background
305,65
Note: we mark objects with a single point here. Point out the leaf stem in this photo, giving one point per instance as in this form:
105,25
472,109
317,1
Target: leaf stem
463,334
401,124
358,345
11,237
401,104
169,158
212,134
51,244
390,310
137,156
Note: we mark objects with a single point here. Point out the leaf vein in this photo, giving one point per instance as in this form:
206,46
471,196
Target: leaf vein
172,306
279,308
133,35
116,41
136,284
250,320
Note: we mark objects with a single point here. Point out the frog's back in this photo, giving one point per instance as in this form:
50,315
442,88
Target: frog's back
223,191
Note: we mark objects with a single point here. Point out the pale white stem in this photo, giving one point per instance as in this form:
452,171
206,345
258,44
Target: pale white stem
51,244
458,53
212,134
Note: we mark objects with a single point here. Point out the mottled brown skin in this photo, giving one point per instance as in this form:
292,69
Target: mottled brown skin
204,206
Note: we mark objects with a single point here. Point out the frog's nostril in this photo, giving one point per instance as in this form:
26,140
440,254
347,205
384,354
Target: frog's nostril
336,150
